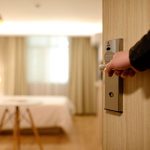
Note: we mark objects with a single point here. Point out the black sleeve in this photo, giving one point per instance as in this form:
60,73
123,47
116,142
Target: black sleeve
139,54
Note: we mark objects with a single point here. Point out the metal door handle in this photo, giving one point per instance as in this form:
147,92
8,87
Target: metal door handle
102,67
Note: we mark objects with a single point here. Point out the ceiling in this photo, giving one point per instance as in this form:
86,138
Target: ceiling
74,17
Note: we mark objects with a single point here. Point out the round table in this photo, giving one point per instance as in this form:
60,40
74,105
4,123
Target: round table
17,103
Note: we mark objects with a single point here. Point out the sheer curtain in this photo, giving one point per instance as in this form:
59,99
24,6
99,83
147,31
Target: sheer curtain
83,66
47,65
12,66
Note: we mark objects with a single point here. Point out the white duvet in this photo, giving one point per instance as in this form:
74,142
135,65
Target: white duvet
47,111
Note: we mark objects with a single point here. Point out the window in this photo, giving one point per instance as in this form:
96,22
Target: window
47,59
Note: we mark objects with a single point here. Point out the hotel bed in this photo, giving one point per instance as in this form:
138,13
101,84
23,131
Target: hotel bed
49,112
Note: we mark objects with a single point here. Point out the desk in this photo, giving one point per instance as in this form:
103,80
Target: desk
17,118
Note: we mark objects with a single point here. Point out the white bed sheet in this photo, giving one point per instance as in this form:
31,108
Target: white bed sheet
52,111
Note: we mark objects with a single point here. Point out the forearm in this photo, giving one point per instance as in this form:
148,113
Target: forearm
139,54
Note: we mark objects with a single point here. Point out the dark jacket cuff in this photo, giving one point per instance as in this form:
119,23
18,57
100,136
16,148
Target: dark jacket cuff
139,54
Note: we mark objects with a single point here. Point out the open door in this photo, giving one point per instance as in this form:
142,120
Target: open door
130,128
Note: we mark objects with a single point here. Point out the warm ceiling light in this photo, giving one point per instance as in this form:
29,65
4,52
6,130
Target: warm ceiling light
49,28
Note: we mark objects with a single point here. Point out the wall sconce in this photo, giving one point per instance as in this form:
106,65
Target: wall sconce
1,19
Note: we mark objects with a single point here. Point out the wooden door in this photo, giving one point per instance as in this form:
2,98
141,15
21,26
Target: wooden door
130,20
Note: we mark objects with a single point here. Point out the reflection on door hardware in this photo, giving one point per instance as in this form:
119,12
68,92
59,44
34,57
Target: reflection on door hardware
111,94
114,84
102,67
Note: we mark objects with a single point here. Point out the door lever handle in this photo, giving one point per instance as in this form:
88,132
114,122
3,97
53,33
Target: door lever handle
102,67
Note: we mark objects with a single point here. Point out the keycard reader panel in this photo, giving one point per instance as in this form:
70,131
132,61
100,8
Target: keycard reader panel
114,84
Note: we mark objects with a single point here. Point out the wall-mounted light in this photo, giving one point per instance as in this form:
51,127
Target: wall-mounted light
1,19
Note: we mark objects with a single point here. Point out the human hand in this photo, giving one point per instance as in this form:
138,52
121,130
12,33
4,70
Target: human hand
120,65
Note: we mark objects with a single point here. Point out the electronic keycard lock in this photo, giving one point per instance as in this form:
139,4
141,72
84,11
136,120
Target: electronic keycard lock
113,85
